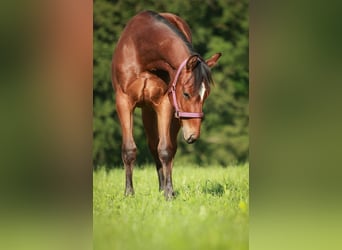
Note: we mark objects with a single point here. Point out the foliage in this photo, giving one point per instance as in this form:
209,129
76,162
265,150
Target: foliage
210,210
217,26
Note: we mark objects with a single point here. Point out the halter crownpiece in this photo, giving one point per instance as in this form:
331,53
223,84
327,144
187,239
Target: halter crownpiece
172,90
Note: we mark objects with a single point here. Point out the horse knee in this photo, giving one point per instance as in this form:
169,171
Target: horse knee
165,154
129,155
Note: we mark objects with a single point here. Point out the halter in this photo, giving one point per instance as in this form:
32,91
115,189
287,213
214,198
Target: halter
172,90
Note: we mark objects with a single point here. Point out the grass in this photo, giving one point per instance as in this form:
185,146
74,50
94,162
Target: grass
210,210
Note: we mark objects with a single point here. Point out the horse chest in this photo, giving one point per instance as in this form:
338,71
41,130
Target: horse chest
151,89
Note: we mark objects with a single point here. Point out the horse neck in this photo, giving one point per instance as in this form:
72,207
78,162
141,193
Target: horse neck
178,53
174,57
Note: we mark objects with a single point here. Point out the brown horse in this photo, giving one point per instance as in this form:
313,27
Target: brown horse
155,67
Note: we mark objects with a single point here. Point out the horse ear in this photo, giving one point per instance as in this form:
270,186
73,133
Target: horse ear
213,60
192,62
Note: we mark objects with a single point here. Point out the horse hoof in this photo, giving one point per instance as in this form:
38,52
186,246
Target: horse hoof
169,196
129,192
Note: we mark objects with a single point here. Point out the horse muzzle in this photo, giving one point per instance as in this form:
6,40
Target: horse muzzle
191,130
191,139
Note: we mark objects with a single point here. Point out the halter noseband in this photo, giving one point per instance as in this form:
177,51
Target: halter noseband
172,91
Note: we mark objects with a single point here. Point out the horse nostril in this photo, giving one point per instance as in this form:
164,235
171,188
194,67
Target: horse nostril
191,139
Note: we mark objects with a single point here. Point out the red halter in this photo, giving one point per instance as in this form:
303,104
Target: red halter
172,90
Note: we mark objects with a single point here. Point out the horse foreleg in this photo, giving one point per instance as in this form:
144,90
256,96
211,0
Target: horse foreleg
129,150
166,155
166,149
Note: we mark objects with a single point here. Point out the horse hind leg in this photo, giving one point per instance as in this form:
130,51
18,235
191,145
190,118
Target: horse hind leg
129,150
151,129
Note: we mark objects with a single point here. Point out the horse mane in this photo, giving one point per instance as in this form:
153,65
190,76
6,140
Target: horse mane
180,34
202,71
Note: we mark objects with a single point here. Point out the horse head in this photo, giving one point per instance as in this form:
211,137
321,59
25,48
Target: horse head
190,89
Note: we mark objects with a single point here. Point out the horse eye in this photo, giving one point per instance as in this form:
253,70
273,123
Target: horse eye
186,95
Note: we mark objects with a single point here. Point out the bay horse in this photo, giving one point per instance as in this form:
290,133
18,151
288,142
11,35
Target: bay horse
155,67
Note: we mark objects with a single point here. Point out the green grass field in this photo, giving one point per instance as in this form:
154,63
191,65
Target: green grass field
210,211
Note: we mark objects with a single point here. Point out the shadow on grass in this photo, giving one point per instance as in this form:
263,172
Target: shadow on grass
213,187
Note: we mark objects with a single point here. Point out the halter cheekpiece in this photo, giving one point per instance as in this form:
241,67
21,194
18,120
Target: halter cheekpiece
172,91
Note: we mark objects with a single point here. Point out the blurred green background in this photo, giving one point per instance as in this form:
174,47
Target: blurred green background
217,26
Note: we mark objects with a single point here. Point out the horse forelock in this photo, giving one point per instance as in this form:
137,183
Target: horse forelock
202,74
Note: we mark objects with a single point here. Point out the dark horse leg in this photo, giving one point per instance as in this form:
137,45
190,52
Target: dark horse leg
125,112
149,118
